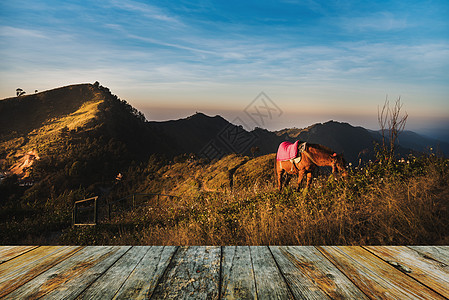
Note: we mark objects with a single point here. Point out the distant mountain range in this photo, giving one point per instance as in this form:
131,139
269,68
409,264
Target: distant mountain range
65,118
197,132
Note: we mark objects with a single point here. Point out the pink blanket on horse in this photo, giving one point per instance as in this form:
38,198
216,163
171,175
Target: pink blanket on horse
287,151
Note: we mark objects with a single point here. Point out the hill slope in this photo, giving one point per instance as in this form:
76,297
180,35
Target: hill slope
50,121
80,128
190,134
21,115
73,141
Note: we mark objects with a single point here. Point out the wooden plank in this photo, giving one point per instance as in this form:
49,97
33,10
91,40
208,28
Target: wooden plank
438,253
70,277
24,268
9,252
373,276
269,282
110,282
429,272
310,275
237,274
144,278
193,273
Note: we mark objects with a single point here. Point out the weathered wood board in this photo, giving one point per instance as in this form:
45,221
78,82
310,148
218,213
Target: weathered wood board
438,253
9,252
145,276
14,273
194,272
70,277
116,275
237,275
375,277
312,276
429,272
269,281
227,272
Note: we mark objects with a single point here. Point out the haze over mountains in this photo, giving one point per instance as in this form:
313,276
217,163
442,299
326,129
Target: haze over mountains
61,120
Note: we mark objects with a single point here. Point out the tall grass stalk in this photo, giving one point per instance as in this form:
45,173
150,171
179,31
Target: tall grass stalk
404,204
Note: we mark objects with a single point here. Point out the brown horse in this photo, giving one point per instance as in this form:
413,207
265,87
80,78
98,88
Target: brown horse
313,155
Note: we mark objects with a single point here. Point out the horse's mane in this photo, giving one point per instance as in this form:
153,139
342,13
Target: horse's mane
321,147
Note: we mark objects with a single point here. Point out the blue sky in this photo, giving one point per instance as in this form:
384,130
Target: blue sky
317,60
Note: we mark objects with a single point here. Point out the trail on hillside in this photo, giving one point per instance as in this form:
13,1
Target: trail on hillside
23,163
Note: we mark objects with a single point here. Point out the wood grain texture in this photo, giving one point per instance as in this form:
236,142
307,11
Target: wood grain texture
192,274
23,268
319,272
376,278
70,277
429,272
237,274
311,276
106,286
438,253
9,252
269,282
143,279
241,272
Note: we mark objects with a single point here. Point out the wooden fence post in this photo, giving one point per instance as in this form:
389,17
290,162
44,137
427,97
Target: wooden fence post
96,211
74,215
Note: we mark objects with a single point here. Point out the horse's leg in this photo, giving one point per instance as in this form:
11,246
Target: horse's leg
279,174
300,176
309,179
279,181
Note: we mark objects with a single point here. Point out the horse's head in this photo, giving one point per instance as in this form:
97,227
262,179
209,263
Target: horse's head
339,163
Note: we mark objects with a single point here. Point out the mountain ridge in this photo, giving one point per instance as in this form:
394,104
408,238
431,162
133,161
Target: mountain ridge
76,109
82,141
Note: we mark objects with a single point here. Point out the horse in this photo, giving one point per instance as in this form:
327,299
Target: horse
312,156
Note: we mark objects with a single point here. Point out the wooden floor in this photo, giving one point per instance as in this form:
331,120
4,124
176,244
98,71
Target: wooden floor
229,272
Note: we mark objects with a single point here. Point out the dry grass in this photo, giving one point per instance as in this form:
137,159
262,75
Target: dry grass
403,205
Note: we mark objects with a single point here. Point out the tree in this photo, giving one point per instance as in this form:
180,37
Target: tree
391,125
254,150
20,92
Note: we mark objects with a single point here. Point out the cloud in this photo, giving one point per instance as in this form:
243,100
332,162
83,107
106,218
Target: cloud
15,32
147,10
144,51
379,21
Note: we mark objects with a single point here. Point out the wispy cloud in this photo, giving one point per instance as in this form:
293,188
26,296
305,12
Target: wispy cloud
379,21
147,10
15,32
218,50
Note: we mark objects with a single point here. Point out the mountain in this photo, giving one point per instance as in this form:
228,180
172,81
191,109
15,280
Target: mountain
87,129
79,134
420,143
437,133
191,134
341,137
81,141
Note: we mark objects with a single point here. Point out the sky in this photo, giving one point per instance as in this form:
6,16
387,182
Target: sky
310,61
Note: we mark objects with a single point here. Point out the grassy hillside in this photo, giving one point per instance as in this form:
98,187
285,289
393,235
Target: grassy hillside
76,152
60,121
402,203
21,115
34,122
73,142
